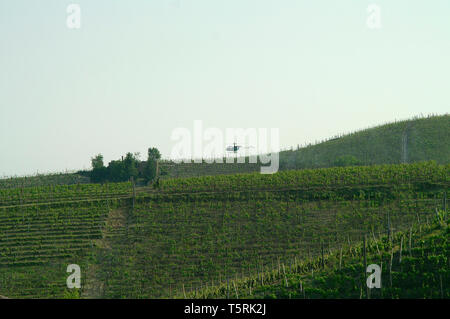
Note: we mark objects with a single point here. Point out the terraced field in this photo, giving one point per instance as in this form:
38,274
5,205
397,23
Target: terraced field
414,264
38,242
62,193
171,247
202,232
176,170
38,180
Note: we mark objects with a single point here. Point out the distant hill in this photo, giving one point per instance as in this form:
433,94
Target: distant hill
415,140
419,139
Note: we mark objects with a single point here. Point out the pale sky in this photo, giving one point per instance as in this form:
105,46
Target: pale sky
137,70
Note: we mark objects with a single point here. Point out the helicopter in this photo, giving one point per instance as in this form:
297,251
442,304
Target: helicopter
235,148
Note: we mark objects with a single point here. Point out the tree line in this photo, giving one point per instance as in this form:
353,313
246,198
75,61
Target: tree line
126,168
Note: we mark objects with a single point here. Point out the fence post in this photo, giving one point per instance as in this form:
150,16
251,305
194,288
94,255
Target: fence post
390,266
410,248
134,190
323,262
365,263
235,290
445,201
389,225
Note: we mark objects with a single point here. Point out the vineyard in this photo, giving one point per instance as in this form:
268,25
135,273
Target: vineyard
34,240
195,236
176,170
414,264
409,141
43,180
174,246
414,174
61,193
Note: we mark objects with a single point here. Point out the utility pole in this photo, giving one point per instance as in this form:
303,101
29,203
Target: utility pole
405,147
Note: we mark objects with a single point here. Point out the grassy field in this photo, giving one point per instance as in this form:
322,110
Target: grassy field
193,235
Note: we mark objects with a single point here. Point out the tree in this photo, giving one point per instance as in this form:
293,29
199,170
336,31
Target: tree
97,161
116,171
99,172
130,165
151,166
123,169
153,153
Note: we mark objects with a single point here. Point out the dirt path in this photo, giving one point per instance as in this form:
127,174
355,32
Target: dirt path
116,223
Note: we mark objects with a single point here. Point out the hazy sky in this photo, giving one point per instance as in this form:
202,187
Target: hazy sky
136,70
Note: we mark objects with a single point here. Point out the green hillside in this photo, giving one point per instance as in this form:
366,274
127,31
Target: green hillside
413,264
409,141
201,232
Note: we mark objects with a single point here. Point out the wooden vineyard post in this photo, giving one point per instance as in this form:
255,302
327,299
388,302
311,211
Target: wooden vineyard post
335,224
389,225
322,261
157,168
134,191
21,195
262,275
365,263
279,268
285,278
235,290
390,266
410,248
375,241
436,202
445,201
